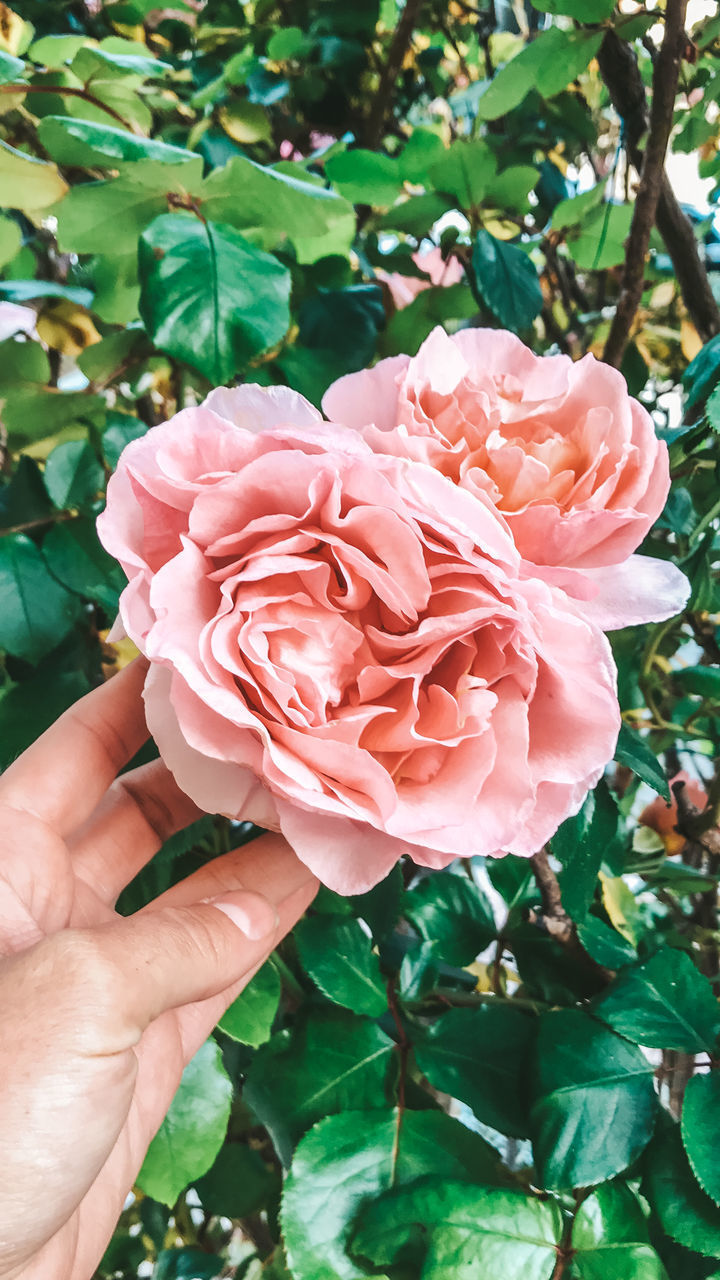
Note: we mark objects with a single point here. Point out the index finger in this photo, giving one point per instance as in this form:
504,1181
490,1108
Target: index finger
62,777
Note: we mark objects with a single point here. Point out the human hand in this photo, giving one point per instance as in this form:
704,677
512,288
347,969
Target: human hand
99,1014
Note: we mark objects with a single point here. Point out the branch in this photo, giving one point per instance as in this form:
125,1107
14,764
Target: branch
555,917
73,93
399,46
621,73
665,79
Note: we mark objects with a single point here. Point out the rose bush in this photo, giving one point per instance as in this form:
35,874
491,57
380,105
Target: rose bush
343,644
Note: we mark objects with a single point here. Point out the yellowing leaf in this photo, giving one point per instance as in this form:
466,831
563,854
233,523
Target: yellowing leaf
620,905
12,30
246,122
67,328
30,184
690,340
120,653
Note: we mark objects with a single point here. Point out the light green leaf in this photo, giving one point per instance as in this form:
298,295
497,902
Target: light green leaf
599,242
506,281
11,69
573,210
36,612
479,1055
209,297
454,1229
10,240
594,1106
127,204
92,63
82,142
466,171
337,954
244,194
365,177
251,1015
547,64
348,1160
665,1003
26,183
193,1130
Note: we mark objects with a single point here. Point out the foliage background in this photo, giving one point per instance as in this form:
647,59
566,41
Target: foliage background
442,1077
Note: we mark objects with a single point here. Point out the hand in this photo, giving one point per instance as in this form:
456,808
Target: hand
99,1013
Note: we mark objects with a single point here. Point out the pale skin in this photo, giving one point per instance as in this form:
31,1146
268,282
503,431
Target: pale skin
100,1013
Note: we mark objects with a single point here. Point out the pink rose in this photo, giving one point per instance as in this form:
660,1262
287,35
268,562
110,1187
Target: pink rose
561,449
405,289
343,647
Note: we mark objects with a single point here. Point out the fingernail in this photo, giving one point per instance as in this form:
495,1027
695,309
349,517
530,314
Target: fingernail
253,914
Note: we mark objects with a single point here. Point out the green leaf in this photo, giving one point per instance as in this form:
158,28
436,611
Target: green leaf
83,142
73,475
605,944
29,184
599,241
25,497
36,612
11,68
193,1130
633,751
209,297
94,63
380,907
700,1126
330,1062
244,194
75,557
347,1160
251,1015
450,909
422,150
287,42
665,1003
704,681
610,1238
506,281
121,429
547,64
466,170
238,1184
580,844
479,1055
128,204
365,177
685,1212
187,1264
583,10
594,1106
702,373
10,240
28,709
411,325
573,211
26,290
416,215
458,1230
338,956
53,51
344,323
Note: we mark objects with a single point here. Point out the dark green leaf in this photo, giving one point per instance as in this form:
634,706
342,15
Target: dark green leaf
36,612
583,10
28,709
594,1106
686,1213
25,497
380,907
239,1183
74,555
704,681
121,429
252,1013
457,1230
208,296
633,751
419,970
700,1127
73,475
581,844
479,1056
506,281
605,944
193,1130
344,322
331,1061
347,1160
664,1003
610,1238
702,373
450,909
187,1264
338,956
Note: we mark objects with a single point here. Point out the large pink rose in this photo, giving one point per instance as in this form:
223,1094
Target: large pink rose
569,458
343,646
